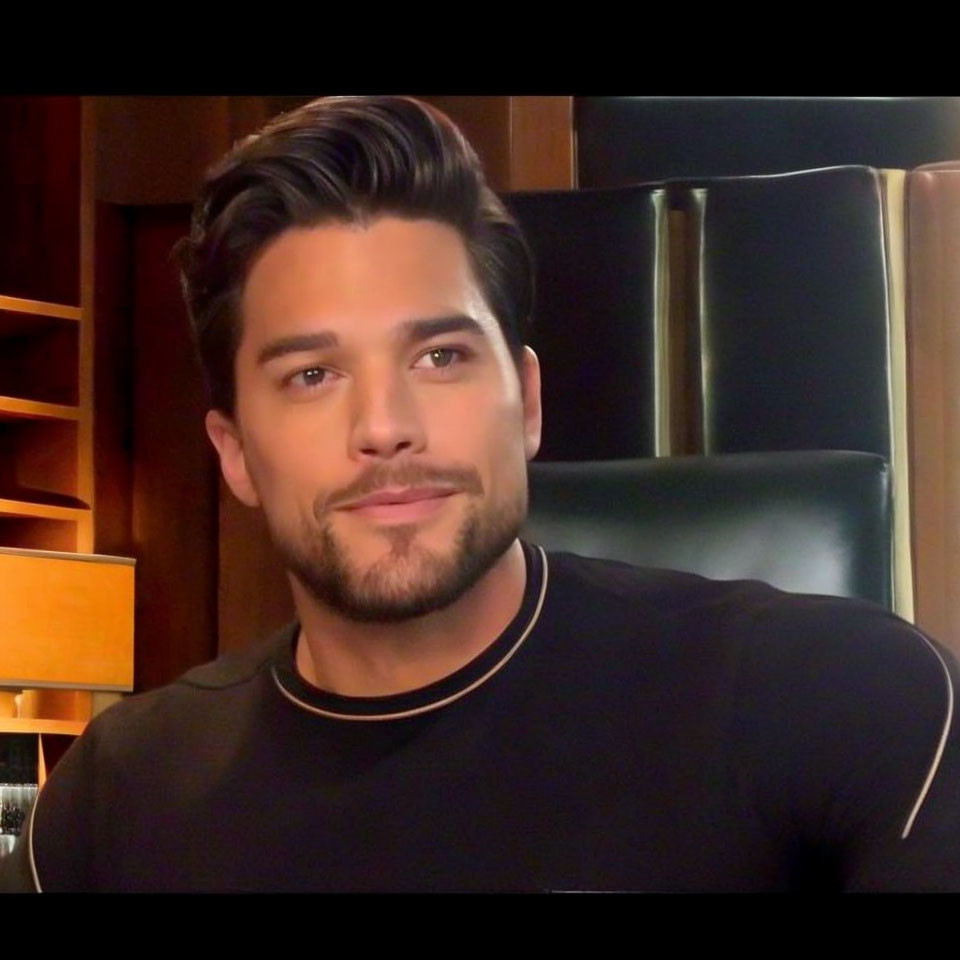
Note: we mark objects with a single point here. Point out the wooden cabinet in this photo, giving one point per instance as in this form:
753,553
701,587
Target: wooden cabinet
46,431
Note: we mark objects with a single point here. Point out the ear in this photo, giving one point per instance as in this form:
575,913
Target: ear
225,436
532,414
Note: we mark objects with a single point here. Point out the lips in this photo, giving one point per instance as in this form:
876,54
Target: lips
399,496
400,505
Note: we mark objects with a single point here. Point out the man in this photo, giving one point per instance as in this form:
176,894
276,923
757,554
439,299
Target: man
455,709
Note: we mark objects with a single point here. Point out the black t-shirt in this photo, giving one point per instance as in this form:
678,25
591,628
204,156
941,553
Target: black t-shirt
631,729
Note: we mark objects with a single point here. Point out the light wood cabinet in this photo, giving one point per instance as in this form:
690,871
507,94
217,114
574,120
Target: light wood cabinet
47,489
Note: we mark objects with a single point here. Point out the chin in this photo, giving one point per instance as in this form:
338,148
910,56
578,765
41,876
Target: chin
409,578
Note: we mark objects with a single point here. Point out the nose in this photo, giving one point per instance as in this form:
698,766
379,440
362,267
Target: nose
386,419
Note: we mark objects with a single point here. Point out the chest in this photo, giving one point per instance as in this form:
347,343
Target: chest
546,795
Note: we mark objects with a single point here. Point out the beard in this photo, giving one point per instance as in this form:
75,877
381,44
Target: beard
410,580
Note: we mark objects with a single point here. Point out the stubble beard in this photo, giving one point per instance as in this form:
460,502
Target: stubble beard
410,580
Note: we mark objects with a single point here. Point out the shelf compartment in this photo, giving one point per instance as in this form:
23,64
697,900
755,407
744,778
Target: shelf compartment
33,533
20,317
18,757
42,363
31,748
38,465
40,197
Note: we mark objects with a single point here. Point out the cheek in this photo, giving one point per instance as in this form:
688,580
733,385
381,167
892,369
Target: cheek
283,437
476,425
284,468
499,451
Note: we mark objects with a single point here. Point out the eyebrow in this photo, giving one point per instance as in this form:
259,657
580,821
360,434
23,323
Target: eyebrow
413,331
410,332
298,343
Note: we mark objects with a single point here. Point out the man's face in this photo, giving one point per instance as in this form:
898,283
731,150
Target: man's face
380,422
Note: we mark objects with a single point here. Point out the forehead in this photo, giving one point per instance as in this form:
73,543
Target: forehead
369,275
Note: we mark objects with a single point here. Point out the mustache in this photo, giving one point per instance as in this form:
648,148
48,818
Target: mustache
382,476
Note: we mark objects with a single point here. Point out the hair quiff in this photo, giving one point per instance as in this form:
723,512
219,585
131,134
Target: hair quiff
342,159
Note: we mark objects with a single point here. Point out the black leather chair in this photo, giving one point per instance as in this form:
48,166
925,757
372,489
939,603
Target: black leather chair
598,321
809,521
794,312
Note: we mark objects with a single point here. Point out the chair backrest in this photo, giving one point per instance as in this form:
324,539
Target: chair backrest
598,317
794,312
807,521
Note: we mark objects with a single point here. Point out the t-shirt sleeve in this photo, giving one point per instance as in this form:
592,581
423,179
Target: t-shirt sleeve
54,853
69,811
846,746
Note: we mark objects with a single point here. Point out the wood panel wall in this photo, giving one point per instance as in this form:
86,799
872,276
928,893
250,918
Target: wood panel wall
933,357
174,517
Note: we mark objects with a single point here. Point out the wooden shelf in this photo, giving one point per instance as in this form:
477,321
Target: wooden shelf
14,408
72,728
41,511
26,318
60,311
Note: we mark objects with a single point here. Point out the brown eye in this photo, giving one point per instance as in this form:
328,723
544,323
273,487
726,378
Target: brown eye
310,378
313,376
442,357
439,358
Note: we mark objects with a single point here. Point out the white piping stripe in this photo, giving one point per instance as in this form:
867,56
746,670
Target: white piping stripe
439,703
33,863
940,748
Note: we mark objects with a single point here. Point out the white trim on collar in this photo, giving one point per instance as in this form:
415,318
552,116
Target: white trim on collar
435,705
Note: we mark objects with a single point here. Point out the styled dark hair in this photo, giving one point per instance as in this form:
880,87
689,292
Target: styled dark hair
342,159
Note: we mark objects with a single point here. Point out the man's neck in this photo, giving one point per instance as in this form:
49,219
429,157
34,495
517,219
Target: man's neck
379,659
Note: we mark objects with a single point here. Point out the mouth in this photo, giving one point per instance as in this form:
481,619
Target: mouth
400,505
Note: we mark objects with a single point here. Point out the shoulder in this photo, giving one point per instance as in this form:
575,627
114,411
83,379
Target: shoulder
238,667
765,623
178,733
825,659
650,597
202,711
226,681
193,700
616,578
843,722
846,678
830,644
